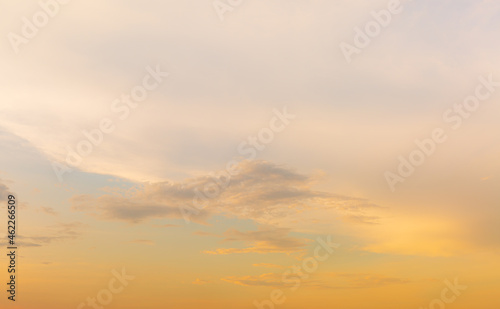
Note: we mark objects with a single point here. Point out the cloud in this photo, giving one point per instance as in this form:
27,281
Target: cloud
4,191
135,209
270,279
202,233
361,281
48,210
320,281
166,225
143,242
264,240
199,281
267,265
260,191
52,234
362,219
217,60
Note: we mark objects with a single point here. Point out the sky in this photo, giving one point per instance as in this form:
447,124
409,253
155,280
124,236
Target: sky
251,154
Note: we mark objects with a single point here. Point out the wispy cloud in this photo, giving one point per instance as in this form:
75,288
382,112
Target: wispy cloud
52,234
4,191
269,279
199,281
261,191
264,240
320,281
143,242
166,225
267,265
48,210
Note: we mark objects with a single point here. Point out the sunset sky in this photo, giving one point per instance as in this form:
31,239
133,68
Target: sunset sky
255,142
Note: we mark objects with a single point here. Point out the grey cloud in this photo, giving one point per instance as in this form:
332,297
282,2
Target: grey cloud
4,191
259,190
265,240
51,234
